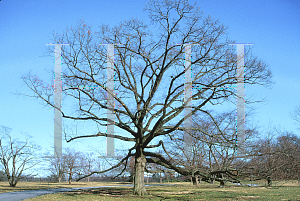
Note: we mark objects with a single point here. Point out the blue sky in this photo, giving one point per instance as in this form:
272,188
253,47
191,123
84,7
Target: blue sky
27,26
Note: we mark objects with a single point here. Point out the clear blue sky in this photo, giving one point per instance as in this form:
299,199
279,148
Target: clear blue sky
27,26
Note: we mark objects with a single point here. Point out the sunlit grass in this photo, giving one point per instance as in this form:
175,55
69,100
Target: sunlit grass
21,186
183,191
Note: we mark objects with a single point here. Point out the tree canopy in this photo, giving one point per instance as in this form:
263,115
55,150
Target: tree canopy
149,76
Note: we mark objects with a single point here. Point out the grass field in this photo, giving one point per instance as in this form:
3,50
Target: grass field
22,186
180,191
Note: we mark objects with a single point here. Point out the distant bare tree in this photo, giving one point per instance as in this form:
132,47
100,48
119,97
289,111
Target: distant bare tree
296,114
273,158
130,169
212,150
16,157
288,155
56,166
86,165
72,161
262,164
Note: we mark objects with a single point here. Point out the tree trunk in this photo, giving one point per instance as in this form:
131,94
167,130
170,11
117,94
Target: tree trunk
269,181
12,181
147,177
212,181
12,185
70,179
160,179
139,184
195,180
222,183
60,176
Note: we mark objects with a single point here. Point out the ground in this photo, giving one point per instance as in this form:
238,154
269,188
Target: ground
180,191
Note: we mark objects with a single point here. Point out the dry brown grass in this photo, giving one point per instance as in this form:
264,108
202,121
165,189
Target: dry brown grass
22,186
184,191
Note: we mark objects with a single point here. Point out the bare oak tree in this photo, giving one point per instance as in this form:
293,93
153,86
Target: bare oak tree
16,157
149,77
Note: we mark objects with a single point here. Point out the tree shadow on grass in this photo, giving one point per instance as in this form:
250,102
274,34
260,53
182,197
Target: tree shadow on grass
112,192
127,193
103,192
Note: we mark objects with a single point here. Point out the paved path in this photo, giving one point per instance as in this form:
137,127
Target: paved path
22,195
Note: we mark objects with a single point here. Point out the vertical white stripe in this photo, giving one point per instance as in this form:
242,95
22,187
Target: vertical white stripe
188,100
57,101
240,118
110,150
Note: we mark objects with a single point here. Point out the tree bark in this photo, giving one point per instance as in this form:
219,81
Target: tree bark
222,183
70,178
12,180
195,180
147,177
269,181
139,184
212,181
160,179
60,176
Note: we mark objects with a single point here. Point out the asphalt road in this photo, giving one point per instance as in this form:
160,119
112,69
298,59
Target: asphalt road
22,195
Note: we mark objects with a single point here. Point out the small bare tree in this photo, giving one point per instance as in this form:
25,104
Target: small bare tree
71,163
295,114
86,165
56,167
278,158
16,157
72,160
288,155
